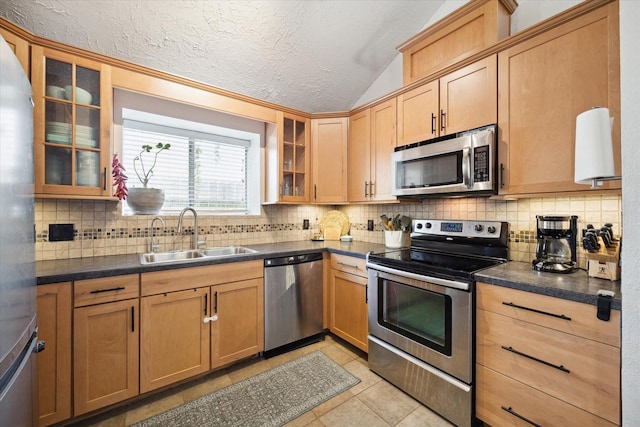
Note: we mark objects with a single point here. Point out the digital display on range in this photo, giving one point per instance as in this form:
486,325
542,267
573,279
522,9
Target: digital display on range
454,227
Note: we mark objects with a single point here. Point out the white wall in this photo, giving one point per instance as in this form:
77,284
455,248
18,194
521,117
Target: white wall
630,91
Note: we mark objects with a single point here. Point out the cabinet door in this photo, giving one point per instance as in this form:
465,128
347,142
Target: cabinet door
544,83
72,120
294,158
329,137
418,114
105,352
238,331
469,97
174,340
383,142
54,363
359,157
348,308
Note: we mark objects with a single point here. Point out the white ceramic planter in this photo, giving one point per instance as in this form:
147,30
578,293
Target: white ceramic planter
145,201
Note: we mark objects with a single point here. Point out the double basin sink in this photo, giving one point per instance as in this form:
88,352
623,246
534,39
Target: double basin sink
193,254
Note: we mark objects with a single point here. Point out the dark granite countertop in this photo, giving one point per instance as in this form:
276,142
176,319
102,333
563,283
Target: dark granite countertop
576,286
56,271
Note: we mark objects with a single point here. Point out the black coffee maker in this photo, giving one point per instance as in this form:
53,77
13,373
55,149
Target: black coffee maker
556,247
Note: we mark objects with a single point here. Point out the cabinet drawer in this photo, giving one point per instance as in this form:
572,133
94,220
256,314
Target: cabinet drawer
159,282
495,392
349,264
583,372
579,319
105,289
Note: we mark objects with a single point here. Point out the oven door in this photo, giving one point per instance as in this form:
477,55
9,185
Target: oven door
428,318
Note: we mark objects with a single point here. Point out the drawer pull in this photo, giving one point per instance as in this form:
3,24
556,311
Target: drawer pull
99,291
559,367
559,316
515,414
347,265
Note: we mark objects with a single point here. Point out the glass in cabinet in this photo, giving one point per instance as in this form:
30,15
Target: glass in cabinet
295,159
72,119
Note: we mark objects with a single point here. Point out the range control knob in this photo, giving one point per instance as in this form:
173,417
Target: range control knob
491,229
419,226
478,227
427,224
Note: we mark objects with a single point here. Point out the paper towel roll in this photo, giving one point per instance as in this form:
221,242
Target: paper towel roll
594,147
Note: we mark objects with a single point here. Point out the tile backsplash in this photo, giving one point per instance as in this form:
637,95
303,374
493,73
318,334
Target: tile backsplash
100,229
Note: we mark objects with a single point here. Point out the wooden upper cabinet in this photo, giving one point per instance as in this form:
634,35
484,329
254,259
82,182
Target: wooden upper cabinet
383,142
372,139
544,83
461,100
359,153
418,113
469,97
72,122
329,140
470,29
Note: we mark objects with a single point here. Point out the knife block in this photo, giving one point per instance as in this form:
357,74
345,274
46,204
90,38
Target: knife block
604,264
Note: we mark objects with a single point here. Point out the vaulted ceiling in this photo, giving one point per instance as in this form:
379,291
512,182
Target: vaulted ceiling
311,55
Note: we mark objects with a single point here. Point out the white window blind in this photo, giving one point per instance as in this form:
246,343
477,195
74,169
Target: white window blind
205,171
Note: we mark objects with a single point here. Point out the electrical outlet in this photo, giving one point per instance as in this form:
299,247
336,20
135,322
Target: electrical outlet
370,225
305,224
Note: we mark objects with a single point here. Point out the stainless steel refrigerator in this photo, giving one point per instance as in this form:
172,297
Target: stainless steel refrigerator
18,327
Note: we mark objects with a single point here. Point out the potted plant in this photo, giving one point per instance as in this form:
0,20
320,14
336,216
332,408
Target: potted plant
145,200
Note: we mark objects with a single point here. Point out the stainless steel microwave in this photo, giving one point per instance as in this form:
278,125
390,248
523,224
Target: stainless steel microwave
461,163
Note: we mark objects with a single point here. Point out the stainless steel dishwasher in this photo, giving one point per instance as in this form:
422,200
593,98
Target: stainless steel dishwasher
292,301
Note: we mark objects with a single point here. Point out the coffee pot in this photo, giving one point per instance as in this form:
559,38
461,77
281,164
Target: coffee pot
556,245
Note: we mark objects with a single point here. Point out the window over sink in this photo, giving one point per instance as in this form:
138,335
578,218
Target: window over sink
213,169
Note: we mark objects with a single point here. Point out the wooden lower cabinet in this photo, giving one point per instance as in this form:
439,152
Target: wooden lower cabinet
544,359
238,331
348,300
54,363
105,351
174,340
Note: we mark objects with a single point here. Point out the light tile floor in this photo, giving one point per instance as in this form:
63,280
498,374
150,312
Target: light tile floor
372,403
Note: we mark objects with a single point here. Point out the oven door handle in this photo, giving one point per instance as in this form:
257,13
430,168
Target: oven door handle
435,280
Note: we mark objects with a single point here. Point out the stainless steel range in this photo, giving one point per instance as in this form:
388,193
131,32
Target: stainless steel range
421,311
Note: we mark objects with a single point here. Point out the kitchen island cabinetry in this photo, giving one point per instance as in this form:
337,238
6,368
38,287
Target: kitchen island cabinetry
72,121
288,161
348,300
105,341
54,364
544,83
461,100
372,139
542,358
329,140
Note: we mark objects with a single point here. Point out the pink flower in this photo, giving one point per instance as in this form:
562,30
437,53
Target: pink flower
119,179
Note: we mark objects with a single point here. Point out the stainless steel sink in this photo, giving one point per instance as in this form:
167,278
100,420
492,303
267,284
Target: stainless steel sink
173,256
227,250
193,255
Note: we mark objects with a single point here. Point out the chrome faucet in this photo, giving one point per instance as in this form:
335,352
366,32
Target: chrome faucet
195,242
154,246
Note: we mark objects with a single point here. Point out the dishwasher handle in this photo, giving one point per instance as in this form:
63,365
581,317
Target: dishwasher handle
292,260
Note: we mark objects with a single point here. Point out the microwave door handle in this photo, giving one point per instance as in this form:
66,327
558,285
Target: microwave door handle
466,168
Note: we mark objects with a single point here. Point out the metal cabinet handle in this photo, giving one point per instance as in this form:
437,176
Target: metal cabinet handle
443,116
433,123
515,414
99,291
501,175
559,316
371,187
347,265
315,192
215,302
104,179
366,186
206,303
133,319
535,359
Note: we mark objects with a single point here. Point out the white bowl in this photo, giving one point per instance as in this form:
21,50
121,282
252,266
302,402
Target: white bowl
82,96
55,92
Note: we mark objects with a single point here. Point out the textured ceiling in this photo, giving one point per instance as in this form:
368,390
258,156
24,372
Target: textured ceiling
314,56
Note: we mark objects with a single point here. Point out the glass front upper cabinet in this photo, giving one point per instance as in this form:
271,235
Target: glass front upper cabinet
295,159
72,118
